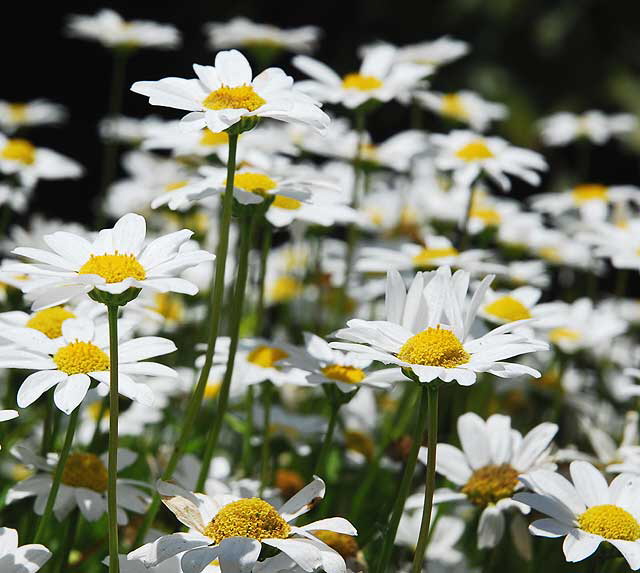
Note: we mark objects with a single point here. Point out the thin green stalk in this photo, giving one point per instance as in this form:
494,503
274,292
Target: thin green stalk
47,428
246,229
405,484
267,391
112,470
217,293
57,476
432,440
463,232
248,433
328,437
93,444
267,236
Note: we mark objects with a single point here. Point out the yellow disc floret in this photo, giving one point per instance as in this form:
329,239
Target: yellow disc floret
564,334
85,470
257,183
266,356
239,97
360,82
476,150
81,358
114,268
175,185
589,192
347,374
508,309
610,522
49,321
286,203
212,138
253,518
488,216
426,257
285,288
168,306
434,347
452,106
19,150
345,545
489,484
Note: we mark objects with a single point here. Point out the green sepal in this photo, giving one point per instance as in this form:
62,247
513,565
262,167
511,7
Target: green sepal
111,299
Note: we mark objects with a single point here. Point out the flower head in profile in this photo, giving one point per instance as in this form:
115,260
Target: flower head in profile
564,127
16,115
436,53
25,559
116,260
223,94
234,530
586,512
79,355
427,330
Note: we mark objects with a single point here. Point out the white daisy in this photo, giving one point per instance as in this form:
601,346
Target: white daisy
414,335
501,307
562,128
587,511
115,261
434,53
83,485
225,93
14,115
233,531
81,353
129,130
26,559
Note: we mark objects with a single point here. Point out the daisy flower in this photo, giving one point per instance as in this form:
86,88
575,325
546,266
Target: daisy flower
468,154
80,354
508,306
234,531
587,511
563,128
618,243
114,261
15,115
83,485
25,559
493,457
240,32
379,78
109,29
464,106
416,336
30,163
224,94
434,53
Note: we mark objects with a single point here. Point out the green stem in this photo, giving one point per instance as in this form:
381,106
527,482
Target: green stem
93,444
57,476
248,433
246,229
267,236
217,293
432,441
267,391
112,505
463,232
405,484
47,429
328,437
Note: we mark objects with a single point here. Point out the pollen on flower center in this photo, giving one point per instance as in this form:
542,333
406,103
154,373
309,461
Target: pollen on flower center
347,374
19,150
85,470
589,192
508,308
286,203
434,347
81,358
489,484
426,257
253,518
212,138
474,151
452,106
239,97
114,268
345,545
611,522
559,334
257,183
49,321
360,82
266,356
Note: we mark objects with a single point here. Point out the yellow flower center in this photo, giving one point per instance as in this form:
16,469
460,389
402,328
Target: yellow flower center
85,470
285,288
49,321
266,356
425,258
212,389
341,543
114,268
18,112
286,203
347,374
257,183
212,138
488,216
175,185
253,518
610,522
240,97
452,106
559,334
507,308
168,306
589,192
434,347
359,442
476,150
489,484
19,150
81,358
355,81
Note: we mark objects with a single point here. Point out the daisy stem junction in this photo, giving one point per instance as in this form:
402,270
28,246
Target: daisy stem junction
112,504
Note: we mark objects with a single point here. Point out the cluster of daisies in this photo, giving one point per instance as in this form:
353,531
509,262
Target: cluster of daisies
297,348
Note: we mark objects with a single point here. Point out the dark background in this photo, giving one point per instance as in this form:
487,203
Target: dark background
537,56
